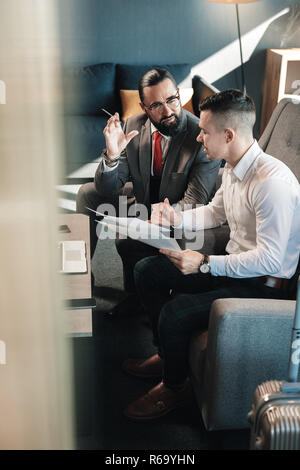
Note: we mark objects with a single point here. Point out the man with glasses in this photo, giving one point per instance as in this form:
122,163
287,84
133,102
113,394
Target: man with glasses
158,153
260,199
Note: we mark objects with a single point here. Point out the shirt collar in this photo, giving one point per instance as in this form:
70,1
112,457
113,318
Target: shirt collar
246,161
153,129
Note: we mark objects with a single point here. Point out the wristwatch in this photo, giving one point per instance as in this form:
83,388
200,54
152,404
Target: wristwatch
204,267
108,160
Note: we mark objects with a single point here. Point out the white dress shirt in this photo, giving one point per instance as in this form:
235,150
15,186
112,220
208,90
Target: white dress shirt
260,199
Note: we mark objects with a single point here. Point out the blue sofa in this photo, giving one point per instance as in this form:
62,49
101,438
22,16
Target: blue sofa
87,89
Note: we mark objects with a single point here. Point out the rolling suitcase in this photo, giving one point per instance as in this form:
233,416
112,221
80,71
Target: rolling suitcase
275,413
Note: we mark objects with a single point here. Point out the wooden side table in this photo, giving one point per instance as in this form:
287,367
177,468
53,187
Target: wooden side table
78,286
282,80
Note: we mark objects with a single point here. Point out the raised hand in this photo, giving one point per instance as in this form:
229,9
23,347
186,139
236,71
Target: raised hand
115,139
164,214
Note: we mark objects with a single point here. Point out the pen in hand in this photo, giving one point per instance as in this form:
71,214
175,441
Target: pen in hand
106,112
125,139
110,115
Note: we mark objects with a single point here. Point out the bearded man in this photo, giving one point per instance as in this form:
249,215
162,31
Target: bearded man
158,153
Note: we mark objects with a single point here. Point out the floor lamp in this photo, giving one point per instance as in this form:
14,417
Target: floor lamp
236,2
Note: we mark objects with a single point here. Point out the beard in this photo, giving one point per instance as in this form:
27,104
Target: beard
171,129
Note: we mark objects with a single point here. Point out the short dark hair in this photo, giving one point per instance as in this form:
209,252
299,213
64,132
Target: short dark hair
232,104
228,100
153,77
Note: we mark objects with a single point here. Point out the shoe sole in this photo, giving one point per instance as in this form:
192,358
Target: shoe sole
151,418
140,376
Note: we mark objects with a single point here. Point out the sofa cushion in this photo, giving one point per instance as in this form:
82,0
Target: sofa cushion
90,88
128,75
84,140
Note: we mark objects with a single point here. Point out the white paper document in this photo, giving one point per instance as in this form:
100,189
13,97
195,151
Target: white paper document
153,235
73,256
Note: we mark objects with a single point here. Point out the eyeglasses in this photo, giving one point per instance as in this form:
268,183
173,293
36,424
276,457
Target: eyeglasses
171,102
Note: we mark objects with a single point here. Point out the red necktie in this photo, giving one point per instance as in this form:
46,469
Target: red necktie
157,161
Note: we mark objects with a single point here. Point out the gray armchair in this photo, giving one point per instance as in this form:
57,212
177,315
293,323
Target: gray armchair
248,340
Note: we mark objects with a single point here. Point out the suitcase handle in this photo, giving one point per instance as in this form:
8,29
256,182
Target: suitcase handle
292,385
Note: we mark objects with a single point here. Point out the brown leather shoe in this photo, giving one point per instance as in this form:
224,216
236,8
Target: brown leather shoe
159,401
145,368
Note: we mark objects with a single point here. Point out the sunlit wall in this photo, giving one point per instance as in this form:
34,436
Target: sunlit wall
177,31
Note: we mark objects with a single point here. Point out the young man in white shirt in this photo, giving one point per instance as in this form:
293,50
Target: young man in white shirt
260,199
180,171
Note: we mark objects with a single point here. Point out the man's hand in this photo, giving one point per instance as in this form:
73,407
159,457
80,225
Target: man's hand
115,139
187,261
164,214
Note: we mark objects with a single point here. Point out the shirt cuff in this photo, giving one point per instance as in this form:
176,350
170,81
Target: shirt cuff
177,226
106,168
217,265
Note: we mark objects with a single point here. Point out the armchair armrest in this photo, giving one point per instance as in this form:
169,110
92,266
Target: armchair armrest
248,342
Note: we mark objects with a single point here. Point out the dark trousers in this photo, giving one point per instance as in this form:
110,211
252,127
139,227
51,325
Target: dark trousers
129,250
88,197
179,304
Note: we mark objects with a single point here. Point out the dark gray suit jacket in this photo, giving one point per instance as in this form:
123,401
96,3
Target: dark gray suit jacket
188,177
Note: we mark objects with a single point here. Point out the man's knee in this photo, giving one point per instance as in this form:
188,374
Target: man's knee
144,268
87,196
170,315
127,247
150,272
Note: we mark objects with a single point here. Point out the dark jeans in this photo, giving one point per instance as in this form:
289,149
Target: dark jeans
179,304
130,250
